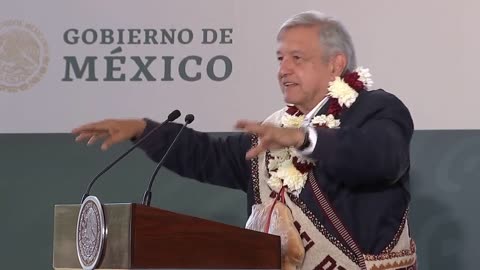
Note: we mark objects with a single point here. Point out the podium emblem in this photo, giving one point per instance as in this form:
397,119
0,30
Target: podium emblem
91,233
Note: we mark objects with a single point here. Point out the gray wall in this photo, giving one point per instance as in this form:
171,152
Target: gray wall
38,171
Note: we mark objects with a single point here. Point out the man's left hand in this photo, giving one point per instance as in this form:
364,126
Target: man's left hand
271,137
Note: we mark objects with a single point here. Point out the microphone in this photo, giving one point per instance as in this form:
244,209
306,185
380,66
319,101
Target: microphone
147,196
171,117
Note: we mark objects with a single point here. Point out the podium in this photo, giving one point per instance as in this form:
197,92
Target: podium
141,237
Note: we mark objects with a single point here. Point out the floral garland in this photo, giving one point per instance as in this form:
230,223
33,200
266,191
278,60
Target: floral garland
286,167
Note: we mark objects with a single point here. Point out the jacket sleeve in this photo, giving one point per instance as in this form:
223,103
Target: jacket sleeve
371,153
198,155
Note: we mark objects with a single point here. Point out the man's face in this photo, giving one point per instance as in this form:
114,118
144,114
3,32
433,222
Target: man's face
303,73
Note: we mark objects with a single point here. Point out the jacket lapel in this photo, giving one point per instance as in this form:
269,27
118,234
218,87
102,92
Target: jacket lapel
324,108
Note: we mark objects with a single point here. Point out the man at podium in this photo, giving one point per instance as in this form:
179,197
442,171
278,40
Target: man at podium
337,156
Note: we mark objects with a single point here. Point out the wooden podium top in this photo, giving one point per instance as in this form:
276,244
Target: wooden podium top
141,237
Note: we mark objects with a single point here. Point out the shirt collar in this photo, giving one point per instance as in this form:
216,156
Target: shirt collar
314,111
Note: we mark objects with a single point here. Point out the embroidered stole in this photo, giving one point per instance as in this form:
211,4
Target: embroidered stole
322,249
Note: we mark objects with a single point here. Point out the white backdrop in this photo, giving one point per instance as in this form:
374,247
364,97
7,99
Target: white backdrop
425,52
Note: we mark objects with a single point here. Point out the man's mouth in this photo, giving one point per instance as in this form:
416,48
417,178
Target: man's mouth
289,84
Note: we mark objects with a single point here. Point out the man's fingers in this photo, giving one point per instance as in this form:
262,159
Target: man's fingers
97,137
89,135
263,131
92,127
242,123
84,136
111,141
252,127
106,144
255,151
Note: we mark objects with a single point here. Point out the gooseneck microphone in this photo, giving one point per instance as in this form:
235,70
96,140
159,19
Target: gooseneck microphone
147,196
171,117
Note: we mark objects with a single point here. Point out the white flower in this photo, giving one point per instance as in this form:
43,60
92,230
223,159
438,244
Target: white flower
300,158
274,163
364,76
328,120
342,91
281,153
275,183
278,157
292,121
292,178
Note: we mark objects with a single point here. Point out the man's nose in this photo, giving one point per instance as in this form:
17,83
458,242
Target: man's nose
285,67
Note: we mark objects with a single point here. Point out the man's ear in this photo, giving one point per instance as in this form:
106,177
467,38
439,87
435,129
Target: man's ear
338,63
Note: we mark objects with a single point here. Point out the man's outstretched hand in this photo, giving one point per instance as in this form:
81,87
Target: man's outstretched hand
270,137
111,131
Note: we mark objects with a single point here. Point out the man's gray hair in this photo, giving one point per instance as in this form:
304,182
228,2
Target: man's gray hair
333,35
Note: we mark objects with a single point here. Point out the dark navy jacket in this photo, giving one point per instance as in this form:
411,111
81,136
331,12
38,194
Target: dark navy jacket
363,167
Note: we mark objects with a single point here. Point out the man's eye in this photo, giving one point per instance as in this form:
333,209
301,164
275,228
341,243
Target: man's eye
296,57
280,58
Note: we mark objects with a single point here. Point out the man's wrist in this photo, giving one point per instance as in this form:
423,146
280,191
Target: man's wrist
140,126
304,141
311,136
